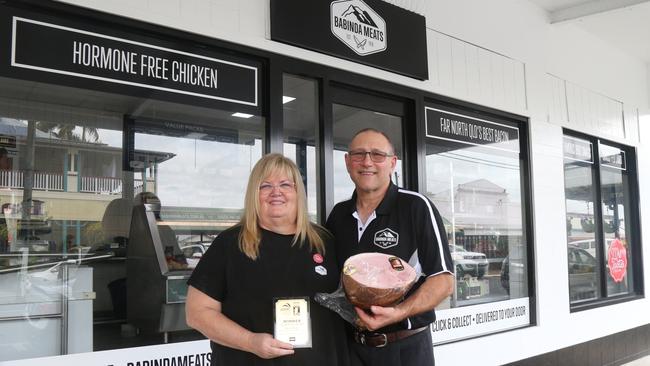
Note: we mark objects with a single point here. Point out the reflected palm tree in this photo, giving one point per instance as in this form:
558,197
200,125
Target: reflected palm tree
67,131
91,132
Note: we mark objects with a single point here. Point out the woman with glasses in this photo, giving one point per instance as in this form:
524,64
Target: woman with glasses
252,292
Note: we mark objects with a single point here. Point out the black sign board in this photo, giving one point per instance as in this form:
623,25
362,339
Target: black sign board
81,53
372,32
450,126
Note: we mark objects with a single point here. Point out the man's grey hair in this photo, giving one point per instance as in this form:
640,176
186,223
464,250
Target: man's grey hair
371,129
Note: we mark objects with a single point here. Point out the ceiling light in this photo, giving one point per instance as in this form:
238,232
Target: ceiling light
286,99
242,115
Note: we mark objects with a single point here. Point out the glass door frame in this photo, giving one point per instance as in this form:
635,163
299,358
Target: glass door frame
356,97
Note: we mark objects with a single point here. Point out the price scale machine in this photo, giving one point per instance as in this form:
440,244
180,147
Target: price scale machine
157,272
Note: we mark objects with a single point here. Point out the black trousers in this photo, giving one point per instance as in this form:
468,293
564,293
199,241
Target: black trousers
416,350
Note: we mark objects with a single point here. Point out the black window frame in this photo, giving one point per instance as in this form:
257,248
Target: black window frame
525,144
635,242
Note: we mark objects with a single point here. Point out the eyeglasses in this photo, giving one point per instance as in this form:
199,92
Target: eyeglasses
284,187
375,156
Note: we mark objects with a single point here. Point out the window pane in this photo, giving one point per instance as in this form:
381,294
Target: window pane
583,256
347,121
67,225
300,110
598,261
63,168
478,192
615,208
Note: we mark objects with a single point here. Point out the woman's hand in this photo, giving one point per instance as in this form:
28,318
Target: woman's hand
204,314
265,346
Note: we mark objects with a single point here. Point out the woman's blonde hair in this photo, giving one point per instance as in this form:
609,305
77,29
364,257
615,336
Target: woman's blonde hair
250,235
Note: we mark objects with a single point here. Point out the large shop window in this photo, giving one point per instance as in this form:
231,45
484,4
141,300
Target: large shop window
475,177
94,256
601,217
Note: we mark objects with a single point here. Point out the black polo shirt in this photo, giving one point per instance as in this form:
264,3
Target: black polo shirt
407,225
246,289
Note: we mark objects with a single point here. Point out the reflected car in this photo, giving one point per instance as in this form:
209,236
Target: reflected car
193,252
505,274
517,269
587,244
590,244
474,264
583,274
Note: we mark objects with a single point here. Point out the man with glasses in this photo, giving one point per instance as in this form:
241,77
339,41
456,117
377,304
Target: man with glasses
380,217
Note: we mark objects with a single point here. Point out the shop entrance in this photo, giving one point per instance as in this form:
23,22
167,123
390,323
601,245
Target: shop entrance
352,111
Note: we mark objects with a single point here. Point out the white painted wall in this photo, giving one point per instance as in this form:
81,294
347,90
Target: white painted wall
520,31
511,46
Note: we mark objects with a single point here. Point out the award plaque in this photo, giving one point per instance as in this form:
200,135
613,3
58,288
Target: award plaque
292,322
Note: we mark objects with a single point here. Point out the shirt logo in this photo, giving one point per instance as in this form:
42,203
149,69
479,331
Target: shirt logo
386,238
358,26
321,270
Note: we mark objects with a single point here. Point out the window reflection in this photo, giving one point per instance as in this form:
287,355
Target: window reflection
613,175
597,233
300,111
43,164
66,225
57,178
580,226
347,121
478,192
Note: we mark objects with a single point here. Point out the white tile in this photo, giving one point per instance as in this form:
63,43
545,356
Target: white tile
196,12
253,17
557,112
485,75
459,69
498,87
644,361
432,56
225,19
509,87
521,97
167,8
443,48
631,118
473,75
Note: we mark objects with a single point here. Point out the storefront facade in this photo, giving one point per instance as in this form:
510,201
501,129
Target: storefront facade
128,130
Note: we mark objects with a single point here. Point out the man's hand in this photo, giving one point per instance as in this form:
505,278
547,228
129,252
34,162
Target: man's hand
379,316
265,346
426,297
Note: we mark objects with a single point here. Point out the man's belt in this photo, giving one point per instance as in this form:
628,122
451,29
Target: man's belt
381,339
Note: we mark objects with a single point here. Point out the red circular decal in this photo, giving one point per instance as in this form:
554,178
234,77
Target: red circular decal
617,260
318,258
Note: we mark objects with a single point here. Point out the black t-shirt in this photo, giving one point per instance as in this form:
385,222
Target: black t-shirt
407,225
246,289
